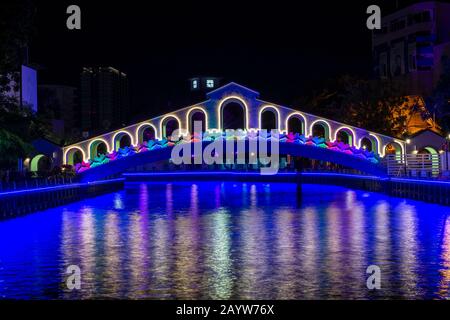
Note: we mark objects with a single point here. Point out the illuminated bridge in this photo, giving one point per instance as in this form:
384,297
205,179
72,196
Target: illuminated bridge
232,107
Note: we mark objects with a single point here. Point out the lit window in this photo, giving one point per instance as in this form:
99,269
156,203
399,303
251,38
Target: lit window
210,83
194,84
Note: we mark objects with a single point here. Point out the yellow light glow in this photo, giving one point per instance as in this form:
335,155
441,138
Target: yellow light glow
72,148
145,124
301,116
345,128
394,141
277,111
219,110
108,148
119,132
319,121
162,122
378,146
188,117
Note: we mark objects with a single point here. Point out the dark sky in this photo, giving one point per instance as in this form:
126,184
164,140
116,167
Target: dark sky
281,49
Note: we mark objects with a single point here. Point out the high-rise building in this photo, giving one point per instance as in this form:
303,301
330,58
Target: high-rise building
104,98
410,45
60,102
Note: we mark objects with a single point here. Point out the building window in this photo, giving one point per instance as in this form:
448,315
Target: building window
194,84
210,83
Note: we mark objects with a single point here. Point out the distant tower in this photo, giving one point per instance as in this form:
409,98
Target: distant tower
104,98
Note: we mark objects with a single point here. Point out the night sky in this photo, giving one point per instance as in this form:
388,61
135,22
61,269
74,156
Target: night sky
282,49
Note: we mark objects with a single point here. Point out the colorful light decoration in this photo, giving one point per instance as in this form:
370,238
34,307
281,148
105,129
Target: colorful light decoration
343,128
318,121
122,132
108,148
188,117
378,146
146,125
315,142
75,148
134,131
277,114
219,110
161,123
299,114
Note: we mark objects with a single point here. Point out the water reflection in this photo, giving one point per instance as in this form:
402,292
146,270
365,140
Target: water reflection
252,271
113,262
408,249
217,250
285,254
444,283
230,240
186,250
383,244
87,251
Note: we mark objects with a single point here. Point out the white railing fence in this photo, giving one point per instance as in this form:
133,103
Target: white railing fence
415,165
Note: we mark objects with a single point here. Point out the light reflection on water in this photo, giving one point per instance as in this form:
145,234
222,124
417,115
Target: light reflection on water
229,241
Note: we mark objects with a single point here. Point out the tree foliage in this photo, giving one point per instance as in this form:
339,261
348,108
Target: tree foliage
371,104
18,126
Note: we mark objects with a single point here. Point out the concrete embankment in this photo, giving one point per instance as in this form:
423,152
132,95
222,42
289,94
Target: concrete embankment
20,202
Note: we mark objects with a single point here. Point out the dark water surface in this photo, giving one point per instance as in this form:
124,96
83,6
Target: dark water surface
229,240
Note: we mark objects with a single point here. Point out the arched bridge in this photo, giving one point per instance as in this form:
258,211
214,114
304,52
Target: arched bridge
234,107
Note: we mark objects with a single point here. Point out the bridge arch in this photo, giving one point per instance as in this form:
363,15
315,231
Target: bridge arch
146,131
322,154
367,143
234,105
296,121
269,118
74,155
373,141
346,135
320,128
168,125
40,163
394,147
196,114
120,138
98,146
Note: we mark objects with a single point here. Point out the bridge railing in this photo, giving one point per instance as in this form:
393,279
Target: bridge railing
413,165
34,183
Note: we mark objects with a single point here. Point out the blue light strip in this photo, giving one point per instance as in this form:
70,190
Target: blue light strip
61,187
421,181
200,173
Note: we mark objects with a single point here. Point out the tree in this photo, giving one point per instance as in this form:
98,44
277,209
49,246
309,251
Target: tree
375,105
12,147
17,125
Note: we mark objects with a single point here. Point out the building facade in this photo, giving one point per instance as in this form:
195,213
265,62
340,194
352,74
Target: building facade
410,46
61,102
104,99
